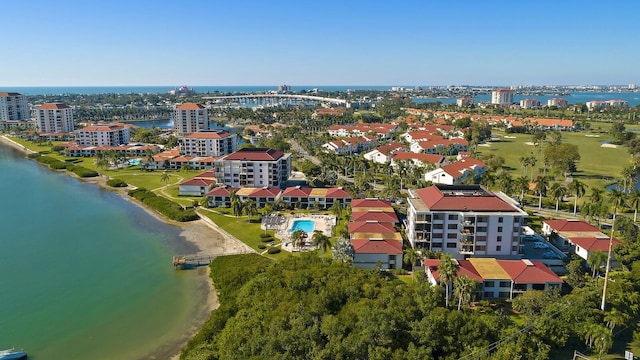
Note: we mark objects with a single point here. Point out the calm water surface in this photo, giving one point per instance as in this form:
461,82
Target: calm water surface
85,274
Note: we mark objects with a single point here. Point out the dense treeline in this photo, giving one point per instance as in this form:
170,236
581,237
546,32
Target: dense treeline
300,308
163,205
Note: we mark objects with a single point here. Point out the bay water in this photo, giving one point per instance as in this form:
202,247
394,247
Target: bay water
86,274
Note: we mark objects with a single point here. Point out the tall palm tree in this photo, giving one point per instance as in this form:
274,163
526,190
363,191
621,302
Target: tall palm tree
595,260
250,208
447,271
599,338
521,184
322,241
596,194
337,209
633,201
616,198
541,188
411,256
578,189
463,288
296,237
557,191
165,177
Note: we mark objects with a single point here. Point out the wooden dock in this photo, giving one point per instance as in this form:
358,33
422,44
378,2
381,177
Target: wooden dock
183,262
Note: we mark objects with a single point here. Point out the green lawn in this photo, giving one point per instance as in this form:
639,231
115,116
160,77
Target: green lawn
598,165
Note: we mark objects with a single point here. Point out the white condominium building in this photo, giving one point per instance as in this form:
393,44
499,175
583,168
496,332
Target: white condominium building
190,118
208,143
103,135
254,167
14,107
52,118
502,97
465,220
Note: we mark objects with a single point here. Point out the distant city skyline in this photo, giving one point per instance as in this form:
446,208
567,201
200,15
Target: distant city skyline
244,43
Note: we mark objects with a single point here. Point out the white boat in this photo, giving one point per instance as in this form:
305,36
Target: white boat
11,354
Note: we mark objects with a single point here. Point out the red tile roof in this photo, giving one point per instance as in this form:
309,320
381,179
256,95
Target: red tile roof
371,227
522,273
337,193
6,94
265,192
198,182
380,216
190,106
594,243
109,127
571,225
372,203
296,191
377,246
255,154
209,135
436,199
221,191
52,106
425,158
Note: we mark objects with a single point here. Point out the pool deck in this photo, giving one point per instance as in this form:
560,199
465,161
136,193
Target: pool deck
324,223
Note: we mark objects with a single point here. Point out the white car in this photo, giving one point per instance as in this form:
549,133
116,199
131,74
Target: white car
540,245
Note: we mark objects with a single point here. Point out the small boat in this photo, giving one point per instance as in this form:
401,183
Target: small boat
11,354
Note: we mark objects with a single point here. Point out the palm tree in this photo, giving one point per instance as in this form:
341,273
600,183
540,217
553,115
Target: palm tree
165,177
595,260
336,209
411,256
541,188
596,194
463,288
633,201
296,237
578,189
250,208
615,317
342,250
236,206
447,270
322,241
557,192
616,198
599,338
521,184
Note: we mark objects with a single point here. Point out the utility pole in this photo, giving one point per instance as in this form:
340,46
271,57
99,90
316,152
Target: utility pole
606,273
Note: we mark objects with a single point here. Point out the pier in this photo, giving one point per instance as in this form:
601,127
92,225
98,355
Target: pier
183,262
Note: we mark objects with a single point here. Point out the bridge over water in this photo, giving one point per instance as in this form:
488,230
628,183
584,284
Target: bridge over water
275,97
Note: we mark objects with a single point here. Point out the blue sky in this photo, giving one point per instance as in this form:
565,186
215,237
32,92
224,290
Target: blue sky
101,43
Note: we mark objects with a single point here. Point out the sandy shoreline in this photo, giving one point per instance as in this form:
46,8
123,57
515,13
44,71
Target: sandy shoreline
203,234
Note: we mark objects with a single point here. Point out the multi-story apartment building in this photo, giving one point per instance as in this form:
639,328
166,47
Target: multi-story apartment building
529,103
52,118
502,97
559,102
208,143
14,107
190,118
465,220
103,135
254,167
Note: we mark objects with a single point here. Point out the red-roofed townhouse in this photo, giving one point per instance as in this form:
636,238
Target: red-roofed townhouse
456,172
296,197
339,147
220,196
578,235
190,118
103,135
383,153
500,279
419,159
263,196
208,143
254,167
196,187
368,252
320,198
464,220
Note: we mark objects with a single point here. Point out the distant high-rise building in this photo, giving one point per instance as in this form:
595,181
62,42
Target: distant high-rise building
502,97
189,118
14,107
529,103
103,135
559,102
51,118
632,86
464,102
284,88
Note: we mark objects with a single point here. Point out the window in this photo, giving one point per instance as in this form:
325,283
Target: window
498,248
505,284
452,226
489,284
515,248
452,236
481,247
487,294
499,238
451,245
499,228
503,295
453,217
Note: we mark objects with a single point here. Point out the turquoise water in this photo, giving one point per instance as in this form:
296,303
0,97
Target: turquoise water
133,162
305,225
86,274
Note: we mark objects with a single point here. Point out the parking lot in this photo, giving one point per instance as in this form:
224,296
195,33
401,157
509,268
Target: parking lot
537,248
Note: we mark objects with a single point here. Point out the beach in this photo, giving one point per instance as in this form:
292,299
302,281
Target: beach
200,234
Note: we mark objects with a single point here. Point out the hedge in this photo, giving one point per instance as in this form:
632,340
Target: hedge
273,250
262,246
83,172
163,205
117,183
264,235
269,239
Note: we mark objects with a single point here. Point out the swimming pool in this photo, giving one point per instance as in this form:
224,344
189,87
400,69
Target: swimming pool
305,225
133,162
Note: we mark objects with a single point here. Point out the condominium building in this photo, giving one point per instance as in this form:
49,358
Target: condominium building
502,97
529,103
208,143
254,167
190,118
103,135
14,107
465,220
559,102
54,118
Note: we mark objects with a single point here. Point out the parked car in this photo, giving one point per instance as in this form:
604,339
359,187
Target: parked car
540,245
550,255
529,238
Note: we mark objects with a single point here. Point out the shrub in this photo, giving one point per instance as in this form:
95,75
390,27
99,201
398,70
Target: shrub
163,205
33,155
84,172
117,183
57,148
265,235
262,246
273,250
266,240
57,165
